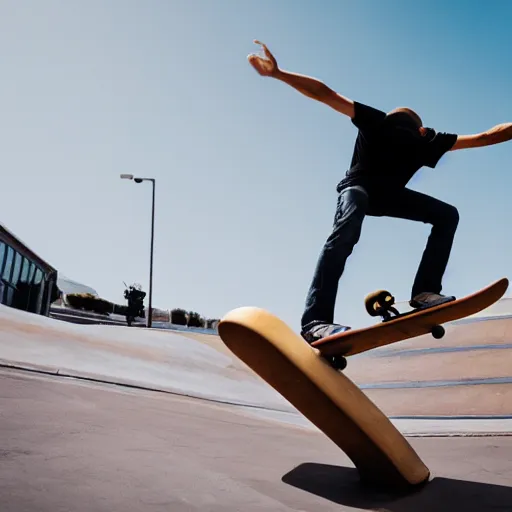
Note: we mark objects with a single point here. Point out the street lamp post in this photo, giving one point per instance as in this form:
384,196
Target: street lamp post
140,180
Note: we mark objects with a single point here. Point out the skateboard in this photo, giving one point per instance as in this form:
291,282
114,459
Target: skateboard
396,326
327,397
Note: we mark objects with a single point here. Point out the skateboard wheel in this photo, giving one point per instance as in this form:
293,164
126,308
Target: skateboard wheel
438,331
378,302
337,362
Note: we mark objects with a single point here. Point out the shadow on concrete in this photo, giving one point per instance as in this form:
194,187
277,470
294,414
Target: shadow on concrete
341,485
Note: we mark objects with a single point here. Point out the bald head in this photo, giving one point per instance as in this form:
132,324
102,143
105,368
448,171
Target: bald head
406,114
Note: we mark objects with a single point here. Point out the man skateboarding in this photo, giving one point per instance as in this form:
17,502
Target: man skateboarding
389,149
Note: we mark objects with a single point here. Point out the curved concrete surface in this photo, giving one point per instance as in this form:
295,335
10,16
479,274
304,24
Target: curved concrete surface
467,373
149,358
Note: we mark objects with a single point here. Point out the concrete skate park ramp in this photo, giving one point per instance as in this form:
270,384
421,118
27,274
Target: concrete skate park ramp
423,384
153,359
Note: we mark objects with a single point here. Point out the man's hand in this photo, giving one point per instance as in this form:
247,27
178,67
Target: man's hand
265,67
497,134
310,87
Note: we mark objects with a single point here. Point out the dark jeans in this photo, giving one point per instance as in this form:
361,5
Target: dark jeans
353,205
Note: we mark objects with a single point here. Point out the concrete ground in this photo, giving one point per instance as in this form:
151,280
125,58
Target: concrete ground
203,433
69,445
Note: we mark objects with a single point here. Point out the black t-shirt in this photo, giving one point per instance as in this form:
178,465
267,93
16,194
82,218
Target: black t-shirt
386,157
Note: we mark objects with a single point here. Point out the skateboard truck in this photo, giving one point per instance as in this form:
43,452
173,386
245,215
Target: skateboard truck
381,303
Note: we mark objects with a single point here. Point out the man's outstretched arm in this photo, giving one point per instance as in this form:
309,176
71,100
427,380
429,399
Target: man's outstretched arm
497,134
317,90
310,87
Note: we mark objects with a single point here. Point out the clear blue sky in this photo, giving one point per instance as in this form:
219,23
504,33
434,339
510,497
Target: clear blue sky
246,167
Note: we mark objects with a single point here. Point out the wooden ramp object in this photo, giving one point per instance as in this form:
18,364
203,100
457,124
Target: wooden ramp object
325,396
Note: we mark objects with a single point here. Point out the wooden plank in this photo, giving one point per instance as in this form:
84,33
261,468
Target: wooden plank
328,398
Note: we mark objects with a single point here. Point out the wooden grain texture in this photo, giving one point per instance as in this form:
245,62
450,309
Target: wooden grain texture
419,323
329,399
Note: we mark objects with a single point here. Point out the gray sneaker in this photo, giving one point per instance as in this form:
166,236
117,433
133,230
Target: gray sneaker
429,300
317,330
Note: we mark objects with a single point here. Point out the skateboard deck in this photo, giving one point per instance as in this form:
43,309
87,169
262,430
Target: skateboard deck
327,397
410,324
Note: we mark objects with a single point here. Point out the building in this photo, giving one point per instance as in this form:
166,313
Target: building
68,286
27,282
